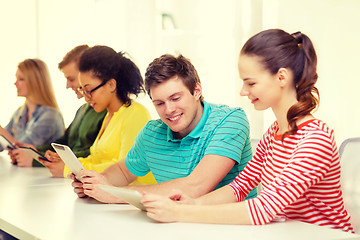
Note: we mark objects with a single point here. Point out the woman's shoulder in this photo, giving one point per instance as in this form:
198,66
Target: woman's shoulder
135,113
315,126
137,106
43,108
137,109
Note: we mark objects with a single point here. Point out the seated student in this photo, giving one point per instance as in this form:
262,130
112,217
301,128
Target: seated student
39,120
296,161
82,131
195,146
107,81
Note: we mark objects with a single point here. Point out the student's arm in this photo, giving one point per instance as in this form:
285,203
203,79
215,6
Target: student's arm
209,172
7,135
205,177
219,206
7,130
116,175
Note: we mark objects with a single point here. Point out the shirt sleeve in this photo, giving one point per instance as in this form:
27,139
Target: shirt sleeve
311,160
249,178
46,126
9,127
135,160
230,135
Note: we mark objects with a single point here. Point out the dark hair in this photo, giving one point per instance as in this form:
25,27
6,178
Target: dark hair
73,56
106,64
279,49
168,66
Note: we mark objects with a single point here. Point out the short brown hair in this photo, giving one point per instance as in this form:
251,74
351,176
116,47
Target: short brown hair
73,56
168,66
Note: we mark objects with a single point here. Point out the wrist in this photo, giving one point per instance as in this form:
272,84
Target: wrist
179,212
198,201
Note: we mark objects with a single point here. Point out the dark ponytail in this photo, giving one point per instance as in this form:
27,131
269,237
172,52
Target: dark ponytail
278,49
306,92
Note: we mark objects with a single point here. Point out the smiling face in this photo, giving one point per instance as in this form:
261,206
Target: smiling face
100,98
21,86
259,85
71,73
176,106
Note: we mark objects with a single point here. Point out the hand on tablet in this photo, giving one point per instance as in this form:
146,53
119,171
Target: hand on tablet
19,158
12,157
77,185
160,208
89,187
56,166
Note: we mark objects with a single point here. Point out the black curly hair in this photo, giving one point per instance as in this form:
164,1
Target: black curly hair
105,63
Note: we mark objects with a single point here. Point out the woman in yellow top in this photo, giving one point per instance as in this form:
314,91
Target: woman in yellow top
107,79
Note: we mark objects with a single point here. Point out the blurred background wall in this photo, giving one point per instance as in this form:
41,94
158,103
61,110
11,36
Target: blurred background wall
209,32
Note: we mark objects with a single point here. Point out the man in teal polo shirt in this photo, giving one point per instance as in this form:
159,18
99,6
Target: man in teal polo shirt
195,146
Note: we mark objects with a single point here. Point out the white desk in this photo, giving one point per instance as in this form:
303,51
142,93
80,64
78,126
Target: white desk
33,205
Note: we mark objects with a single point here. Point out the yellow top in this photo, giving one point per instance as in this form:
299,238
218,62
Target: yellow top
117,140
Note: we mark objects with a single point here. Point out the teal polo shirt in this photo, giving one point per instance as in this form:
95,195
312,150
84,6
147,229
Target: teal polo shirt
221,131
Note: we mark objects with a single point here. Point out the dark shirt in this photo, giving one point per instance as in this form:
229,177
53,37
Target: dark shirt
81,133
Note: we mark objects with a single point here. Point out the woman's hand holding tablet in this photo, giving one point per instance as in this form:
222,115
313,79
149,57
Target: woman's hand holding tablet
69,158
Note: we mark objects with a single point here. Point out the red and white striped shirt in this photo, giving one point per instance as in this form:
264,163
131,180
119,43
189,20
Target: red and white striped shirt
300,177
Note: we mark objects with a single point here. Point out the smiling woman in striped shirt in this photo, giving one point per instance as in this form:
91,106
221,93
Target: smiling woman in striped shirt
296,161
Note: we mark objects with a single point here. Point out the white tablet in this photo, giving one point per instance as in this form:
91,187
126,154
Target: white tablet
5,143
33,153
131,196
69,158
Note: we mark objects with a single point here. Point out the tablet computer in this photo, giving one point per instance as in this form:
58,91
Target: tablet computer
33,153
69,158
5,143
131,196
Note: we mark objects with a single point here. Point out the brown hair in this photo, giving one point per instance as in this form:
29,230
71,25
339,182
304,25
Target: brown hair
168,66
279,49
73,56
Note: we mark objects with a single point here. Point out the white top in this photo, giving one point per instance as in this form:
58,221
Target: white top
33,205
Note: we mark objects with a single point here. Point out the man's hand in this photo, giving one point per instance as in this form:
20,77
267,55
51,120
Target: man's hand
88,186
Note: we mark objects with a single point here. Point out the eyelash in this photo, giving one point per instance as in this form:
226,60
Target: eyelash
173,99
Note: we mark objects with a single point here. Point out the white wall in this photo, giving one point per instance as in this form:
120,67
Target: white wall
210,33
18,41
333,26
